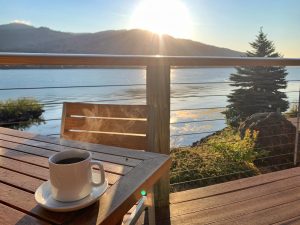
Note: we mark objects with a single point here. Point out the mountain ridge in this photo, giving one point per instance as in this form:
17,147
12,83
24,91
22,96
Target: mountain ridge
25,38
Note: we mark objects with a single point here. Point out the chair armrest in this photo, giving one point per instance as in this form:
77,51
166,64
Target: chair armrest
141,206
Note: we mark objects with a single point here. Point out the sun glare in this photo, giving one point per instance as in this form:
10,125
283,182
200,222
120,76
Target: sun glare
21,22
163,17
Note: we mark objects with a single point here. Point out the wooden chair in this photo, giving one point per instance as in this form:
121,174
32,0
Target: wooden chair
114,125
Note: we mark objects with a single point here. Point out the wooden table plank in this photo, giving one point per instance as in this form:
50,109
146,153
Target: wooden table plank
10,216
24,201
231,186
228,198
19,180
56,147
290,221
91,147
41,172
25,168
24,157
5,146
237,210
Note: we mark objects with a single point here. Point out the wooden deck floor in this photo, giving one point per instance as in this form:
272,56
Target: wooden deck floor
265,199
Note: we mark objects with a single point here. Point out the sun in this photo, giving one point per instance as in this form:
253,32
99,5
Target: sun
163,17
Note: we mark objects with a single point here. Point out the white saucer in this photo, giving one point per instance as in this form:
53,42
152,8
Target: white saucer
43,197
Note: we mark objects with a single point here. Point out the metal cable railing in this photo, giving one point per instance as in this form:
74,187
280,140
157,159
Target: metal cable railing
226,175
127,99
213,153
223,167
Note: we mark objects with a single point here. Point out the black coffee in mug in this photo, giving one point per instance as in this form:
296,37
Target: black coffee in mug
70,160
66,165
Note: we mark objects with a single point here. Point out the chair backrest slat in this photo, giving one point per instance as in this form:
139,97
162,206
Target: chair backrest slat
115,125
106,125
105,110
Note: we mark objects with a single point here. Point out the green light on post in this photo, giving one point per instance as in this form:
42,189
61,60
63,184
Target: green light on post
143,192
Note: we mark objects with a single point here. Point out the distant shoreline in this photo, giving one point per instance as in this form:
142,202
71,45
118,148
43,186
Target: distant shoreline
8,67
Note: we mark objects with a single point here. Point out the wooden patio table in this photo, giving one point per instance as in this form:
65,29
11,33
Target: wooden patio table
24,167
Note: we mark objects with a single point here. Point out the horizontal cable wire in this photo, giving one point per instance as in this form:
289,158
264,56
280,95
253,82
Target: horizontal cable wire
199,96
26,121
229,174
205,96
216,107
258,160
202,108
75,86
208,178
206,132
215,82
89,101
234,141
219,164
116,85
209,155
204,144
196,83
273,156
212,120
194,133
197,121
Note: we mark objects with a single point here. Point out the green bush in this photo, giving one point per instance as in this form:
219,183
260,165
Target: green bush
20,113
221,157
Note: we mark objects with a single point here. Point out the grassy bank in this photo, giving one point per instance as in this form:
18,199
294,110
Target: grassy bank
20,113
219,158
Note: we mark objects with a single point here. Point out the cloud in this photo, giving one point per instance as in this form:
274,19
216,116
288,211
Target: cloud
22,22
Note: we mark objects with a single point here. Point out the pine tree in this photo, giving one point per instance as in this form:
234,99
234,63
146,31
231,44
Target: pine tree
259,88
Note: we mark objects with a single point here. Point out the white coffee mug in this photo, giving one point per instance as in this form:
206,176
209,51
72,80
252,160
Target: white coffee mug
71,175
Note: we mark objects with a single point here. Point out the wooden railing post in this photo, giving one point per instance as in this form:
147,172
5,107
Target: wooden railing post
158,101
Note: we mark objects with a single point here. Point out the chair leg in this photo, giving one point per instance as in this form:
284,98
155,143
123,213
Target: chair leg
140,208
146,206
150,212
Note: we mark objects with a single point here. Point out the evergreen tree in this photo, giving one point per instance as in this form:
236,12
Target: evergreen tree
259,87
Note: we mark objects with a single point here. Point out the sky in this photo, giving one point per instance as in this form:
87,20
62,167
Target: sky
224,23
